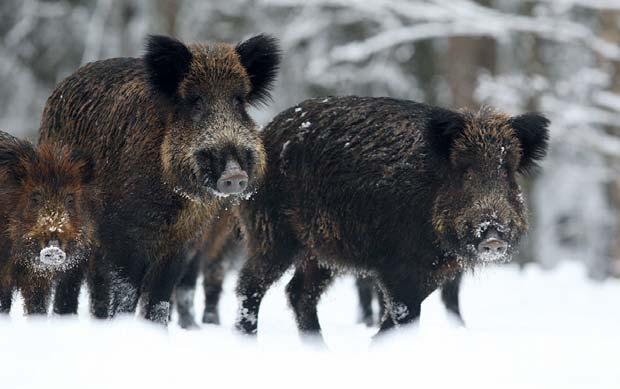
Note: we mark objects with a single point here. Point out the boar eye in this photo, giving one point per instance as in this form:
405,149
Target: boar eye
70,200
36,198
240,102
194,100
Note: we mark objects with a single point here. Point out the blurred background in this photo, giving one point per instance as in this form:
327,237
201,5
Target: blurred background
561,57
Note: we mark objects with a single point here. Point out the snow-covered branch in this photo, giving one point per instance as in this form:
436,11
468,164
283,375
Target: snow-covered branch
487,22
96,28
31,11
588,4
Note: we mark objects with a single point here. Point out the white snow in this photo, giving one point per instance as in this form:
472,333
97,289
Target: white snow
284,146
400,311
54,221
525,329
492,257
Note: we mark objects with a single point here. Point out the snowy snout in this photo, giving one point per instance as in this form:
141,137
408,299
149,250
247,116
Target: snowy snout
492,247
492,244
52,254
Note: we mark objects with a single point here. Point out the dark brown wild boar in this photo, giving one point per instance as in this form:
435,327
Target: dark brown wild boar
408,193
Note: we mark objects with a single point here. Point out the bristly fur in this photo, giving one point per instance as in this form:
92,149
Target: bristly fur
260,55
13,154
532,129
86,165
167,62
443,127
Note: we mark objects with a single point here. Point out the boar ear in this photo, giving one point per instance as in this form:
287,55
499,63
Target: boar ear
260,56
167,62
443,127
15,155
532,129
86,165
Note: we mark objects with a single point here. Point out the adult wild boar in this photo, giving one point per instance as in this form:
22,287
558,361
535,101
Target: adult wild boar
408,193
172,140
48,202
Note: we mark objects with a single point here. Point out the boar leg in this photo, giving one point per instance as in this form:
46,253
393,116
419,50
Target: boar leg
159,282
304,291
6,289
257,275
381,302
403,296
213,272
185,291
6,298
36,297
113,287
99,287
68,291
365,286
450,297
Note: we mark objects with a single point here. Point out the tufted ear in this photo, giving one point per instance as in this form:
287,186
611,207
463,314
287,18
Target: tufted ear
86,165
260,56
444,125
532,129
15,156
167,62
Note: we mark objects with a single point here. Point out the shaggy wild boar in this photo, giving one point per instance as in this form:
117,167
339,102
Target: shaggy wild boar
408,193
48,202
172,141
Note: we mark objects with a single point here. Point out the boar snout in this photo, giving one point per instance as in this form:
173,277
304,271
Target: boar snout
52,254
493,247
233,180
492,244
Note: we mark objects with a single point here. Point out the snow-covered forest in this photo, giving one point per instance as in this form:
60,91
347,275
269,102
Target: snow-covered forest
559,57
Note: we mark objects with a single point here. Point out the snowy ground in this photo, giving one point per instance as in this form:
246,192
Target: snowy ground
529,329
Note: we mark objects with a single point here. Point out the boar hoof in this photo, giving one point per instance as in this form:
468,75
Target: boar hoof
187,323
211,318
